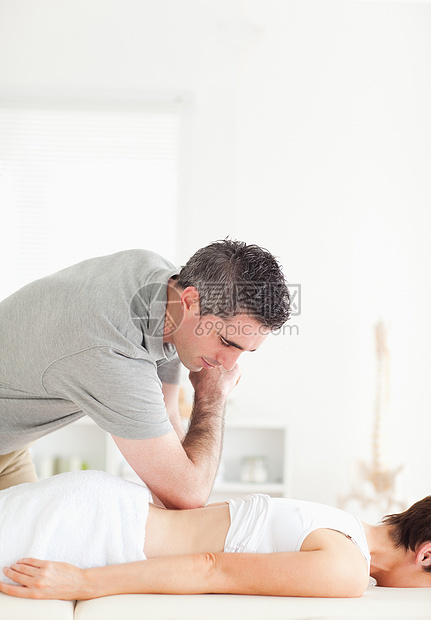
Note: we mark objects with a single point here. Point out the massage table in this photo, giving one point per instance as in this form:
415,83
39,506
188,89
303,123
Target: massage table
376,603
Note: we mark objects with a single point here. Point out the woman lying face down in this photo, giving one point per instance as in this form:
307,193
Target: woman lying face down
94,535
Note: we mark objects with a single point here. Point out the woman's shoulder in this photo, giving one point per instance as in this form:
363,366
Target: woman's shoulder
346,561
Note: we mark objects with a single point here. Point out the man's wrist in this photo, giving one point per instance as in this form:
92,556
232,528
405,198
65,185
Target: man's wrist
214,400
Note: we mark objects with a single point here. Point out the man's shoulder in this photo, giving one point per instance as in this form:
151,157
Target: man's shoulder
143,257
123,260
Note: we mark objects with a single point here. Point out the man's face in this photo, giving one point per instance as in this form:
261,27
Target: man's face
210,341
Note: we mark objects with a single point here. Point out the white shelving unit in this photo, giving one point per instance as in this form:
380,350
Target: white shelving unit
255,459
85,445
80,445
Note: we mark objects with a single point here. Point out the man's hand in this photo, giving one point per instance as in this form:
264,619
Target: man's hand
216,382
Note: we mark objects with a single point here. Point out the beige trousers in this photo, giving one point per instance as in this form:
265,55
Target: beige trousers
16,468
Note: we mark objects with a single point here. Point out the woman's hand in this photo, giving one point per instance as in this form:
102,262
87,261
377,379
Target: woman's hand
40,579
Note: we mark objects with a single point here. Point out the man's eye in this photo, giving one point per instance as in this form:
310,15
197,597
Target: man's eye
224,343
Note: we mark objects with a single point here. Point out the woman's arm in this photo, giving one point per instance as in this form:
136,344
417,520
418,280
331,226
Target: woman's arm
322,573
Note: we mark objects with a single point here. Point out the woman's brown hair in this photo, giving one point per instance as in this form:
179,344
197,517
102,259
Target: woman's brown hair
412,527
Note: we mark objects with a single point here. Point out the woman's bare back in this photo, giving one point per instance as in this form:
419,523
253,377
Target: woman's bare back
179,532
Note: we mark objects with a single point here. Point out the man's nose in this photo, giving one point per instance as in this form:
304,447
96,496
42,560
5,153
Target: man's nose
228,359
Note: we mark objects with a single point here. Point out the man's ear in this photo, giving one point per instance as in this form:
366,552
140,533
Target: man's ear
189,297
423,555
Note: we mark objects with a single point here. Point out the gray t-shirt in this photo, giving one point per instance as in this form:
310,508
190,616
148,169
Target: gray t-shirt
87,340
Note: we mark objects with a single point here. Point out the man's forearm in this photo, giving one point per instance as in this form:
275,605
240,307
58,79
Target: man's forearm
204,438
181,474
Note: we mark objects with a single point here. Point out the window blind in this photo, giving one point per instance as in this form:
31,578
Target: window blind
78,181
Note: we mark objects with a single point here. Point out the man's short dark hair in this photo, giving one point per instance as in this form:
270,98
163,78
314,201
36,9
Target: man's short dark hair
235,278
411,528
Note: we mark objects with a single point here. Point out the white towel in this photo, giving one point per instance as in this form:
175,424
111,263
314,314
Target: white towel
87,518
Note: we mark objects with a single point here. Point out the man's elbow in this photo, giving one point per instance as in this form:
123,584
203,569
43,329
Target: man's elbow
186,500
192,503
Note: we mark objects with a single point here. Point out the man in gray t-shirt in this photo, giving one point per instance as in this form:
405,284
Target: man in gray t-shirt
105,338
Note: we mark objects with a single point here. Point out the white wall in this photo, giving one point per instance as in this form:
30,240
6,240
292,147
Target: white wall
334,176
308,132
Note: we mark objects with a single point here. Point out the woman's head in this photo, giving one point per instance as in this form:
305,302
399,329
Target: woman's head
411,528
410,533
